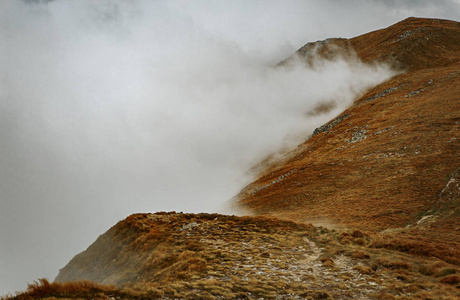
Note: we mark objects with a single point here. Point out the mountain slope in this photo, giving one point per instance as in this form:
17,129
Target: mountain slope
384,161
410,45
384,174
211,256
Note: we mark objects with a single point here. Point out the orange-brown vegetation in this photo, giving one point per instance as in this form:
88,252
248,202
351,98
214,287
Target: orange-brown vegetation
389,162
44,289
164,250
385,174
211,256
410,45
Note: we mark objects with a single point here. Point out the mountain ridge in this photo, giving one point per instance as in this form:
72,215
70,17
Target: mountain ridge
380,183
409,45
382,128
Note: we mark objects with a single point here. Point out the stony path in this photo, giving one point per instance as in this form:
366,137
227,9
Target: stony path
211,256
268,259
341,274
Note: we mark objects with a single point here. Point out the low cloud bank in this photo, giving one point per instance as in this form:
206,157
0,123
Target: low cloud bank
113,107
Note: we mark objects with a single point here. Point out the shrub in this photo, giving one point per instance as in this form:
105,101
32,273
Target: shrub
44,289
360,255
364,270
446,271
394,265
327,262
358,234
426,270
451,279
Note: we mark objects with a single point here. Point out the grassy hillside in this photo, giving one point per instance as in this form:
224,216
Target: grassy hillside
380,182
387,161
211,256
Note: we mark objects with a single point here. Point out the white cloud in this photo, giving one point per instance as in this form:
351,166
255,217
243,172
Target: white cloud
114,107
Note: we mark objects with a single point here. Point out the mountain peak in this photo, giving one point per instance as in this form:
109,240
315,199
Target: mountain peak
383,163
380,182
412,44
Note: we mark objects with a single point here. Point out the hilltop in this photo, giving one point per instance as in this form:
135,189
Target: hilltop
380,183
390,161
211,256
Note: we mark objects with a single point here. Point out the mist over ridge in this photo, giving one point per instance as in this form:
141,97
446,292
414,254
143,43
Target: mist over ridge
113,107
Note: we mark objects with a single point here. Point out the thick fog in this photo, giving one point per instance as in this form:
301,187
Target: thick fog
108,108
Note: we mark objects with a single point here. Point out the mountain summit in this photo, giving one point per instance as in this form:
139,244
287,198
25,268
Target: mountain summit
380,183
388,160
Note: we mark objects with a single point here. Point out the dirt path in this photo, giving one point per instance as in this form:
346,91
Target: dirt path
337,275
299,265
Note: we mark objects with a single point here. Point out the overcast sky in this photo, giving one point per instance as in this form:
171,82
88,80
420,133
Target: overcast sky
108,108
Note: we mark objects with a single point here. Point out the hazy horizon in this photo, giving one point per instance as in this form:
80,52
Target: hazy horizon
109,108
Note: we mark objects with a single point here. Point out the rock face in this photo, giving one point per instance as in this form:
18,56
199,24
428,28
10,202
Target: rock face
383,162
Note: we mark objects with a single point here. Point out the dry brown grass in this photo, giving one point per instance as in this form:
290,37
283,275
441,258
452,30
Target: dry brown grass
390,180
42,289
395,178
451,279
194,255
421,247
251,258
386,180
